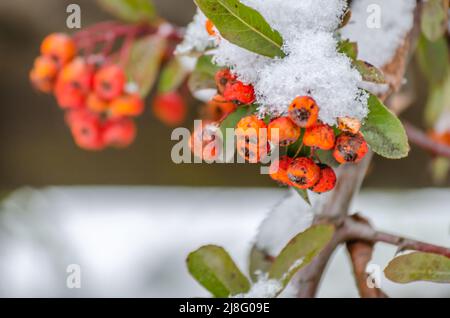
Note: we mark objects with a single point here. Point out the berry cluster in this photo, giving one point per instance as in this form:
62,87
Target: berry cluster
95,94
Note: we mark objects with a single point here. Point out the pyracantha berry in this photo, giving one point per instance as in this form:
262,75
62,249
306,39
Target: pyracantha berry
252,152
202,141
223,77
73,84
303,173
239,92
304,111
278,170
327,180
59,47
96,104
86,129
126,105
170,108
209,26
288,131
218,107
350,148
109,82
44,73
119,133
320,136
348,124
250,127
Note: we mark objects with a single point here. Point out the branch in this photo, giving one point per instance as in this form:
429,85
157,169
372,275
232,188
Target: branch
357,230
419,138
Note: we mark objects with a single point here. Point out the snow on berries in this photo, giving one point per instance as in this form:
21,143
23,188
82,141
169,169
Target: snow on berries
94,95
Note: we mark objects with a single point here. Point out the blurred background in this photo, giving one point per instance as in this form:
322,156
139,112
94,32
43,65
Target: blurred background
63,205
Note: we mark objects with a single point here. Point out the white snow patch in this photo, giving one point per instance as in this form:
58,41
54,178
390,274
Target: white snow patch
312,66
377,45
263,288
289,217
196,38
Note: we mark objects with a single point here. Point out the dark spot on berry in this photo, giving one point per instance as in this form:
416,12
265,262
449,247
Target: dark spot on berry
106,86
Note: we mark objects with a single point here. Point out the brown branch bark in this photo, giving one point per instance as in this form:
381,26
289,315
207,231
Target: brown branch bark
419,138
360,253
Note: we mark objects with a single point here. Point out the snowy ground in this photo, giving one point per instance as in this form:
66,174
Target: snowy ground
132,242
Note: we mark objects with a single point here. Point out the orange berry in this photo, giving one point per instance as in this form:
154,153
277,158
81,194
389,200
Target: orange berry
288,131
327,180
127,105
348,124
170,108
210,28
249,126
223,77
86,129
320,136
218,107
44,73
304,111
303,173
278,170
60,47
109,82
202,141
239,92
96,104
252,152
119,133
350,148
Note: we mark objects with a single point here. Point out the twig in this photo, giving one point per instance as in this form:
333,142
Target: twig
356,230
419,138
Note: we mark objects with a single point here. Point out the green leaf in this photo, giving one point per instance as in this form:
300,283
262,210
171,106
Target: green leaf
130,10
433,59
300,251
144,62
258,262
326,157
434,19
419,266
369,72
172,76
214,269
243,26
303,193
203,76
384,132
348,48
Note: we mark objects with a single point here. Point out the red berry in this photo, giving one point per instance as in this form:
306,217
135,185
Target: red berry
59,47
170,108
126,105
119,133
44,73
304,111
86,129
320,136
96,104
223,77
288,131
278,170
210,28
109,82
303,173
239,92
327,180
202,141
350,148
